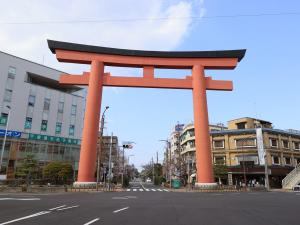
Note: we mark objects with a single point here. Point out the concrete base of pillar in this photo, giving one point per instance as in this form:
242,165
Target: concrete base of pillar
79,184
206,185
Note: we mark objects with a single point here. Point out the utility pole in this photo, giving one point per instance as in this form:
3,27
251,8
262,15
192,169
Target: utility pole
152,170
156,157
100,144
109,165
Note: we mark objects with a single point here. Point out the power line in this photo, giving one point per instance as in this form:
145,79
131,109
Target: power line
151,19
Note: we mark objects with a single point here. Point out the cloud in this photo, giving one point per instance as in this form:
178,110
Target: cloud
29,40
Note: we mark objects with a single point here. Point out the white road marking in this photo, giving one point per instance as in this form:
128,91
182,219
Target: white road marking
134,189
147,190
119,198
128,190
142,185
92,221
166,190
70,207
26,217
159,190
57,207
141,189
119,210
20,199
217,194
130,196
153,189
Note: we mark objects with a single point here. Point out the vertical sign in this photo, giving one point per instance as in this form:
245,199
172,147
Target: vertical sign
260,146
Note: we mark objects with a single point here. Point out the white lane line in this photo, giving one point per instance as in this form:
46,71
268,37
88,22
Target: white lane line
147,190
20,199
166,190
26,217
159,190
153,189
119,210
141,189
130,197
119,198
70,207
57,207
92,221
134,189
128,190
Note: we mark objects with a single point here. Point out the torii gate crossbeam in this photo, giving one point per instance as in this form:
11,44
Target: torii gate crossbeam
99,57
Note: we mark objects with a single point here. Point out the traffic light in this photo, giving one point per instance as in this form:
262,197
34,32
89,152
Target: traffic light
127,146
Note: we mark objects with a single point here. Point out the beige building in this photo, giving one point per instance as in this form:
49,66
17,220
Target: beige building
236,147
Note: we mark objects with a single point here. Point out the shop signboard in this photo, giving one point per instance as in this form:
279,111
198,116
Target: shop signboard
10,133
63,140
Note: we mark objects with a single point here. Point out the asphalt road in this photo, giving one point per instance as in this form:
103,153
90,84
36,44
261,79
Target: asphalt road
151,208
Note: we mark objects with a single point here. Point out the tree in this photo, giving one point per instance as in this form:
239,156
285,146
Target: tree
220,171
58,172
29,169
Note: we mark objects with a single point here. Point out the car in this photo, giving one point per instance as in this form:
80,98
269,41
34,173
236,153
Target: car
148,180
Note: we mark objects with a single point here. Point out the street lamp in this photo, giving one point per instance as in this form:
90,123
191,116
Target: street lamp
4,139
100,143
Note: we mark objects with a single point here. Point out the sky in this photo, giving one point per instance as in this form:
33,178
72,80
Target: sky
266,82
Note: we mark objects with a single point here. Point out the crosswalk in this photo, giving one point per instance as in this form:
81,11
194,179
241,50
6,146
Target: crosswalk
147,189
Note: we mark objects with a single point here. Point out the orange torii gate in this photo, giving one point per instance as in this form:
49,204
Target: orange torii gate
99,57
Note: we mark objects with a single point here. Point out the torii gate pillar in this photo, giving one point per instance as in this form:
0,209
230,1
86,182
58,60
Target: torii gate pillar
205,176
91,126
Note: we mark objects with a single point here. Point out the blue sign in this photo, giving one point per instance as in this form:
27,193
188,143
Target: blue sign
10,133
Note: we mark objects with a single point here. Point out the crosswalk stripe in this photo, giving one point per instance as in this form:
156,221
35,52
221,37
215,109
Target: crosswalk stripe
153,189
166,190
134,189
159,190
147,189
141,189
128,190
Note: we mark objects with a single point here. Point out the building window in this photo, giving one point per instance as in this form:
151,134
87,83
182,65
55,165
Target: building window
192,133
218,144
287,160
73,109
3,119
219,160
61,107
273,143
241,126
285,144
58,128
12,72
248,142
275,160
44,125
71,130
297,145
7,95
31,100
28,123
46,104
191,144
